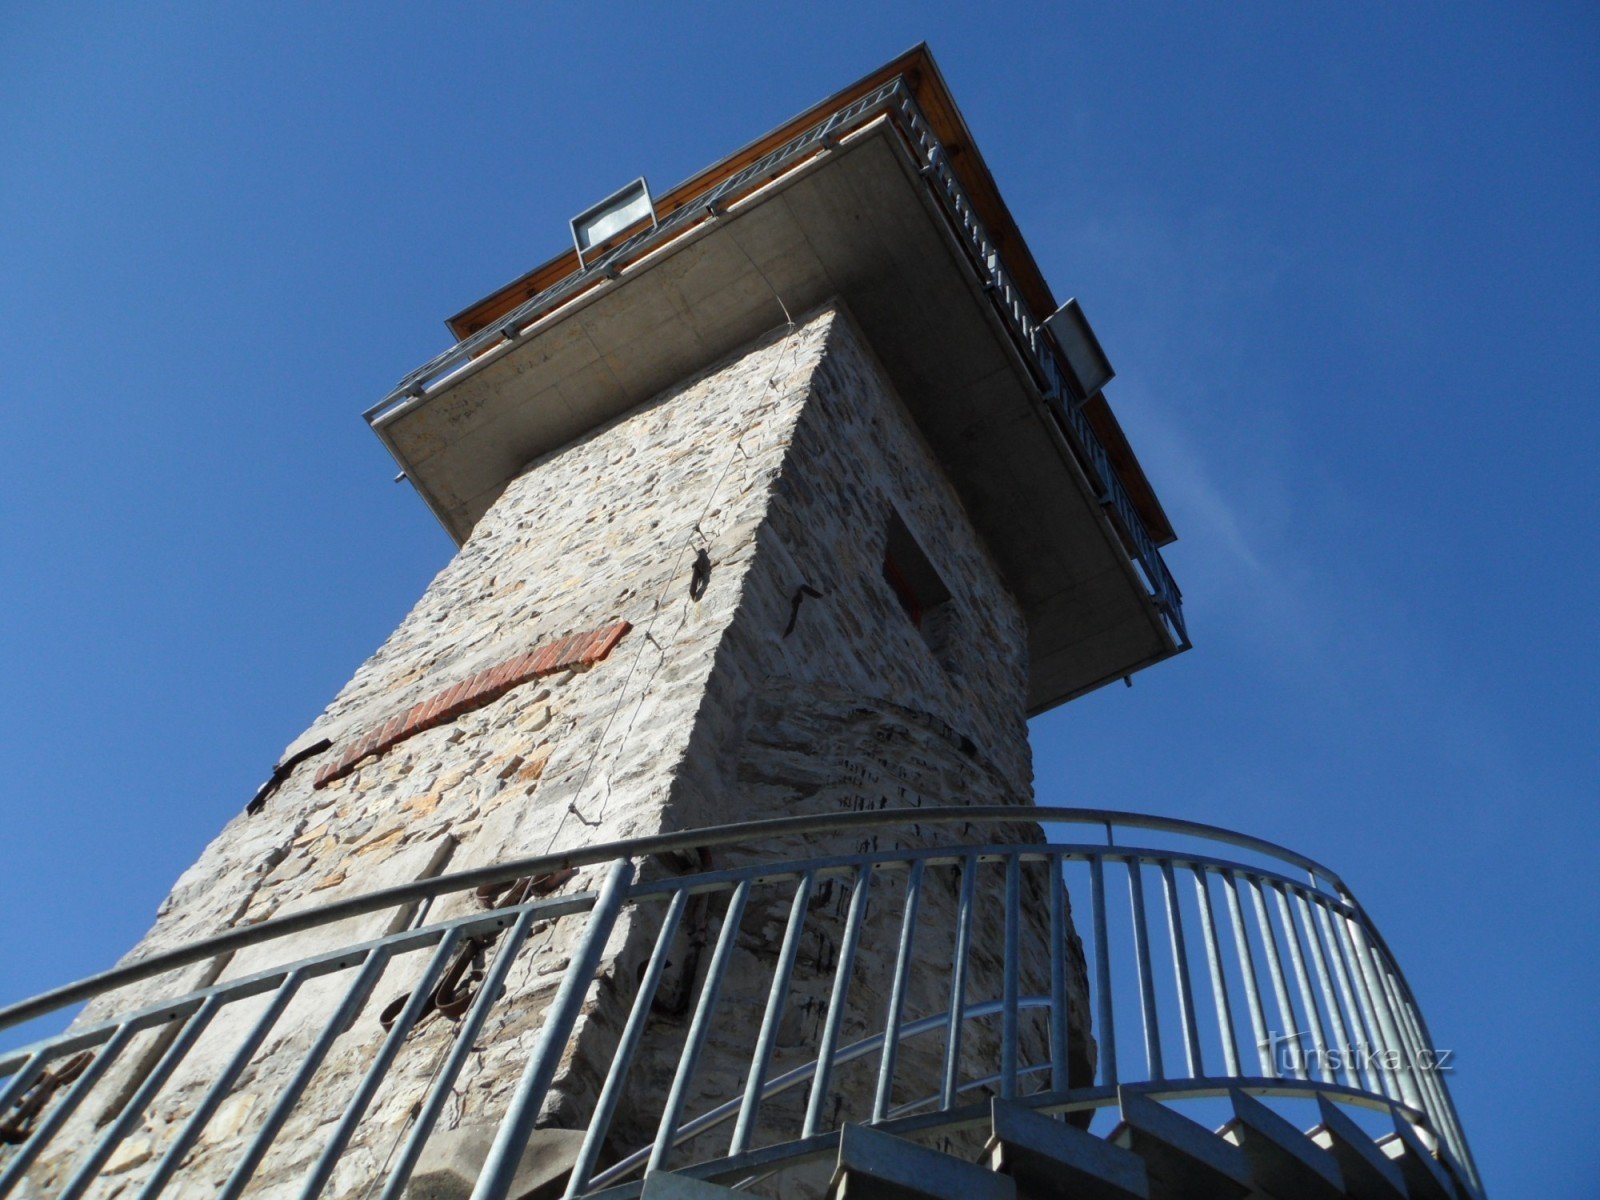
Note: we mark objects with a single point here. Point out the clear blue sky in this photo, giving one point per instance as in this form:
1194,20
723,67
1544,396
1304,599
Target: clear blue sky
1345,260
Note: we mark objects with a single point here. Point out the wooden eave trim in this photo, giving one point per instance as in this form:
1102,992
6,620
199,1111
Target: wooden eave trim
933,97
1126,464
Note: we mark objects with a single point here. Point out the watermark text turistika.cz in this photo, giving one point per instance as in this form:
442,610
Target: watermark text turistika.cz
1291,1055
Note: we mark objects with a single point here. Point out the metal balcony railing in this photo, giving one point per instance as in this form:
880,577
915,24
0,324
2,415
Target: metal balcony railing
1033,341
1254,949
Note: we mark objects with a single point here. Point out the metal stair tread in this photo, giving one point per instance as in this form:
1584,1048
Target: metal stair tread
1052,1160
1184,1158
1368,1173
1425,1178
1284,1162
874,1165
668,1185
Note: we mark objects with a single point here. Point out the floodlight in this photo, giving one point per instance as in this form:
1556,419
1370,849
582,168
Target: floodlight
616,212
1090,367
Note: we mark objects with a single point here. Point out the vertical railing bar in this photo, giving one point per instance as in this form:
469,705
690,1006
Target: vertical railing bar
897,995
1420,1024
627,1046
1280,983
1011,969
1107,1040
699,1027
58,1113
958,980
133,1111
1370,967
207,1107
416,1004
1445,1116
1411,1048
1408,1055
23,1078
1319,960
1375,1048
354,997
1447,1103
842,970
1435,1131
1361,1037
1347,925
466,1035
1252,985
1302,979
1058,975
772,1018
1147,983
1180,966
511,1138
1219,981
1364,981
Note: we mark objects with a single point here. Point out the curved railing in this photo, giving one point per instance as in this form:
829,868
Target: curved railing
895,100
1260,972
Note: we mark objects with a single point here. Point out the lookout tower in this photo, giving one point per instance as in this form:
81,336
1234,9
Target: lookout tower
687,821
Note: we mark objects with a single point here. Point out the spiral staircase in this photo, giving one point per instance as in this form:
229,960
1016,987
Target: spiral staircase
1001,1127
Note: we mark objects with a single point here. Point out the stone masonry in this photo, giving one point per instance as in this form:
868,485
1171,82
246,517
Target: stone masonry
796,682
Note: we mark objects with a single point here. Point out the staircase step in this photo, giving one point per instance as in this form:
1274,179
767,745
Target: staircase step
1368,1173
665,1185
450,1162
1051,1160
879,1166
1283,1162
1185,1160
1425,1178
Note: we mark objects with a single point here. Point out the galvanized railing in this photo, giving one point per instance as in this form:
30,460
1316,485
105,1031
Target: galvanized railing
1244,925
1036,345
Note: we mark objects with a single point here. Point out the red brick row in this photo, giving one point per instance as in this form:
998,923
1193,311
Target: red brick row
487,686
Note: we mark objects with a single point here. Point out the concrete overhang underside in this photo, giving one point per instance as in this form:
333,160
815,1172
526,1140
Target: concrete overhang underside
857,223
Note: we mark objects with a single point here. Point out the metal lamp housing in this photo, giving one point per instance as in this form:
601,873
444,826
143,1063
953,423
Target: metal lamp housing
600,222
1088,363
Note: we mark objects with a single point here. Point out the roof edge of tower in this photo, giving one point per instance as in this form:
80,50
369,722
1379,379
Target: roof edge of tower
921,74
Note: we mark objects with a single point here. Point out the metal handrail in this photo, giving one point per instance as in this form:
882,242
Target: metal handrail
1338,987
1032,340
1039,348
751,832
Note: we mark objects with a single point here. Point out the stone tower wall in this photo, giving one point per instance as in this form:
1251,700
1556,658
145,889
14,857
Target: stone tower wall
843,704
782,464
